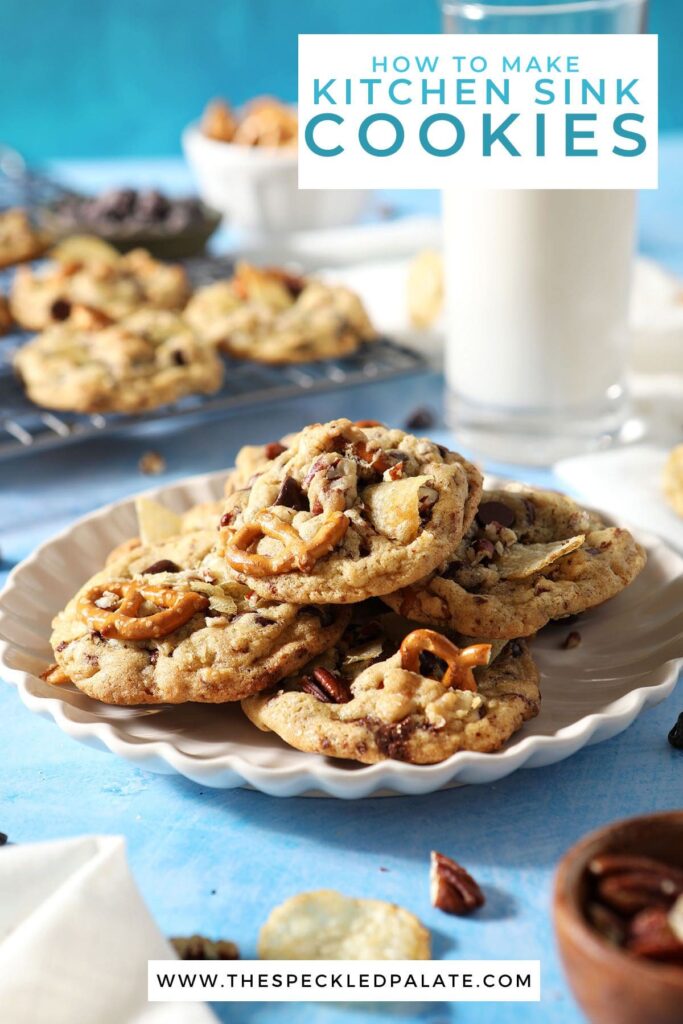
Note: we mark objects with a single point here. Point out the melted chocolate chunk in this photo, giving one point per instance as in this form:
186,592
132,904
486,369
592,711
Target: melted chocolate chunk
60,310
495,512
290,495
163,565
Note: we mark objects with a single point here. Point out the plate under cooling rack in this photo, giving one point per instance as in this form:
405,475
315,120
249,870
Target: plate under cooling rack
25,428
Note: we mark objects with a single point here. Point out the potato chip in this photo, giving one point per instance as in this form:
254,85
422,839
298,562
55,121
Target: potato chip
396,506
84,249
325,925
156,522
522,560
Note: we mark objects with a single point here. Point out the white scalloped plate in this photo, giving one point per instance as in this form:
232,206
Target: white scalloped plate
629,657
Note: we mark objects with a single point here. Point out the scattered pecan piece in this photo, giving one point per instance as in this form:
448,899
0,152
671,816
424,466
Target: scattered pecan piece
327,686
197,947
152,464
453,889
571,640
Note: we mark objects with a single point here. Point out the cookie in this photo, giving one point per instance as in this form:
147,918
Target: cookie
343,515
115,289
325,925
19,240
157,523
530,556
272,317
162,625
425,288
421,705
672,481
148,359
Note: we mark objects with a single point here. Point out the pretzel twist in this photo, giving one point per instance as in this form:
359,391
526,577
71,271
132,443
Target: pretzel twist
298,553
460,661
124,622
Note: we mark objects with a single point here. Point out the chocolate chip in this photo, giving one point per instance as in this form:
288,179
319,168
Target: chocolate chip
676,734
290,495
179,359
60,309
515,648
495,512
272,450
3,838
163,565
571,640
62,645
420,419
324,612
262,620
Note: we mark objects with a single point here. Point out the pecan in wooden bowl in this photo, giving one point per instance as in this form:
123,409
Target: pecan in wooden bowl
618,904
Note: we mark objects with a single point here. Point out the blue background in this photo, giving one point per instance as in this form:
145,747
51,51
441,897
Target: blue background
88,78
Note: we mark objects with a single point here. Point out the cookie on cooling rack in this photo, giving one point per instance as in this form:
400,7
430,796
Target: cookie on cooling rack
271,316
114,287
146,360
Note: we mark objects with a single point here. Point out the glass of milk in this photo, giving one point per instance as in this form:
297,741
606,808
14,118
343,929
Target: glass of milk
538,283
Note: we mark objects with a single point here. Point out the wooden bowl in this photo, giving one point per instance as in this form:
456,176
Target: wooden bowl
613,986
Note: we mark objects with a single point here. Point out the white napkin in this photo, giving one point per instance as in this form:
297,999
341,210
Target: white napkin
75,938
627,483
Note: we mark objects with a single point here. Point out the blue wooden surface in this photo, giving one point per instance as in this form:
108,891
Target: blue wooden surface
216,862
95,78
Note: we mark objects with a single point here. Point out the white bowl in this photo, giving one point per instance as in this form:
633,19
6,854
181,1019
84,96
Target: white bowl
257,188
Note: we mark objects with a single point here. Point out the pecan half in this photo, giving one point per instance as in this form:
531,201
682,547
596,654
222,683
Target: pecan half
327,686
633,891
197,947
452,888
650,934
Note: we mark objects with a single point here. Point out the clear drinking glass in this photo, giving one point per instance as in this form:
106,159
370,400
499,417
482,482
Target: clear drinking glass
538,283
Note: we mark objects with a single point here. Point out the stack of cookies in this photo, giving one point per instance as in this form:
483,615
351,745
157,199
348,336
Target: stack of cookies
358,591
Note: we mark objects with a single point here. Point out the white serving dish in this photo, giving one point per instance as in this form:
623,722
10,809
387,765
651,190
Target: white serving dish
256,188
629,658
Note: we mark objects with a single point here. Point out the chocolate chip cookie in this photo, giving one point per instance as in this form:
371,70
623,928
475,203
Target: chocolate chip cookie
426,701
345,514
163,624
114,288
148,359
273,317
529,557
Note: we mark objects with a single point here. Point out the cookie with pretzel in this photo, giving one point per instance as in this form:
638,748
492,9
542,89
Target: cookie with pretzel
347,513
530,556
164,624
420,698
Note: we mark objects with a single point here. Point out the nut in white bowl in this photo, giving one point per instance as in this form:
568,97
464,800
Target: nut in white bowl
256,188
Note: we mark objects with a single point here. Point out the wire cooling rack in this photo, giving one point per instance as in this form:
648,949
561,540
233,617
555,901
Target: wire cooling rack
25,428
